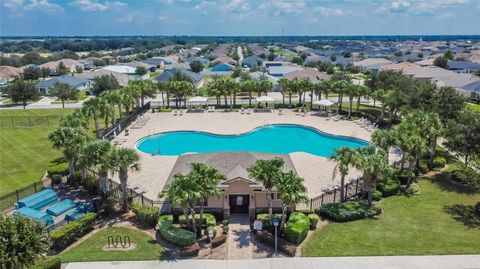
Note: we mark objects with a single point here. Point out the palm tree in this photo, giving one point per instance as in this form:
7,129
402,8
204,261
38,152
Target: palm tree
114,97
361,91
249,86
106,110
207,178
292,191
403,132
286,88
374,168
381,95
415,146
148,89
64,92
267,172
345,157
127,99
71,141
91,108
351,91
123,160
96,155
384,139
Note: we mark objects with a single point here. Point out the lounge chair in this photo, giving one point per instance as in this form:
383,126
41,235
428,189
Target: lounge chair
242,111
175,112
280,112
249,111
181,112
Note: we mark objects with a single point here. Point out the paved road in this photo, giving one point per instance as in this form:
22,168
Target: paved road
386,262
240,53
46,102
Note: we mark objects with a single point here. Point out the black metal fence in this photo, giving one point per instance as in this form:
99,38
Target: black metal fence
29,121
8,201
352,189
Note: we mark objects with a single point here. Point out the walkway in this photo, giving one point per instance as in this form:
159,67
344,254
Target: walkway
390,262
239,238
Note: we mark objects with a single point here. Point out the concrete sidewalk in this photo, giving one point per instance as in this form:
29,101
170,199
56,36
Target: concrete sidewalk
384,262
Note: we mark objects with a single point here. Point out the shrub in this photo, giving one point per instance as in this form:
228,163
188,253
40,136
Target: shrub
266,221
48,263
376,195
178,237
297,227
147,215
58,166
56,179
423,166
108,205
467,176
208,218
91,185
439,162
225,222
282,244
219,240
349,211
313,220
413,189
388,187
225,229
67,234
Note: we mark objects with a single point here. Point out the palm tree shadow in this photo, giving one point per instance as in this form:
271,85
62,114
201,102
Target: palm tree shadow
444,182
463,213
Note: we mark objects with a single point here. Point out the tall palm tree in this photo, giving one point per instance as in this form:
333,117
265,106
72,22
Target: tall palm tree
71,141
361,91
148,90
292,191
267,172
374,168
91,108
207,178
345,157
351,91
127,100
249,86
96,155
106,111
403,132
64,92
286,89
122,161
384,139
381,95
415,146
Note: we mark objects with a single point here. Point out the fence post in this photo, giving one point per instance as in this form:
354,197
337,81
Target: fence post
322,201
334,194
18,198
35,186
13,122
356,188
30,121
48,121
142,200
311,204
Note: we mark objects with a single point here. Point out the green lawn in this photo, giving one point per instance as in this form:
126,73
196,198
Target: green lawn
82,95
473,106
437,221
284,53
91,249
26,151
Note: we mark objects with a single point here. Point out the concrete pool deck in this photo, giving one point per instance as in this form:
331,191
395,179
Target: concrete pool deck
317,171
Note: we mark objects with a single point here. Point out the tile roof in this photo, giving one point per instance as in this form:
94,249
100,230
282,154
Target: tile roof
122,79
7,71
310,73
70,80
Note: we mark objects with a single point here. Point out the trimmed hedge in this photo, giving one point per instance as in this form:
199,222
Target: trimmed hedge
266,221
423,166
413,189
67,234
439,162
147,215
349,211
313,220
467,176
178,237
48,263
388,187
298,225
282,244
59,166
376,195
209,219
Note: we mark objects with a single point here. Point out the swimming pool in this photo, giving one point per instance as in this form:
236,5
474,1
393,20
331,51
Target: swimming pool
277,138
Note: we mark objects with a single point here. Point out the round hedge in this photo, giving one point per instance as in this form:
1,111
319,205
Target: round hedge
388,187
298,225
313,220
209,219
439,162
178,237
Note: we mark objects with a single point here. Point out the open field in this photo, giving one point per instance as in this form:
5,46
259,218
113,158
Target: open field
284,53
91,249
437,221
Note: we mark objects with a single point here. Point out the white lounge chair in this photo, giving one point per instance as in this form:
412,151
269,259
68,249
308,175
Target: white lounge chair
280,112
242,111
175,112
181,112
249,111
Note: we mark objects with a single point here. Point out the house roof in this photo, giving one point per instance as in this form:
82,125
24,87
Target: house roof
231,164
167,74
69,63
463,65
309,73
70,80
473,87
7,71
121,78
372,61
136,64
124,69
283,69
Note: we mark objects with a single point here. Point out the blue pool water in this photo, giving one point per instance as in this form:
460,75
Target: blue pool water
279,138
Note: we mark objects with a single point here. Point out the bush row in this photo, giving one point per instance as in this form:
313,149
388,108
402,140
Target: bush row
59,166
208,218
349,211
178,237
147,215
467,176
67,234
48,263
266,220
388,187
282,244
298,225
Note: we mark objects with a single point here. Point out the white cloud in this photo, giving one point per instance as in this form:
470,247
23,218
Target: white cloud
126,19
326,11
13,4
162,17
279,7
204,6
43,5
94,5
418,7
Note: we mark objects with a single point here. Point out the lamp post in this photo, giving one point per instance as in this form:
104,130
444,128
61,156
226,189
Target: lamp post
275,223
210,235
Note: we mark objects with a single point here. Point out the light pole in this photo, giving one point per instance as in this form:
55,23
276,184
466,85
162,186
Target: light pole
275,223
210,235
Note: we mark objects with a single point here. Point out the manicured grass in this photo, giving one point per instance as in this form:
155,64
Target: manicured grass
473,106
284,53
437,221
156,73
82,95
91,249
26,151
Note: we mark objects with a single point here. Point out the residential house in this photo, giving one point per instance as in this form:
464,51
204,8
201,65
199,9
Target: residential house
309,73
196,79
372,64
252,61
9,73
70,64
190,59
279,71
158,62
222,67
76,82
136,64
122,79
463,66
127,70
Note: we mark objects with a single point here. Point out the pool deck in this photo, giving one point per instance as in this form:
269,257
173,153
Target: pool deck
317,171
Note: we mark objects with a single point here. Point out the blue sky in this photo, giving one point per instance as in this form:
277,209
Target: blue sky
239,17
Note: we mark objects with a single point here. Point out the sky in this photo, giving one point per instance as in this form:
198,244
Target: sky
238,17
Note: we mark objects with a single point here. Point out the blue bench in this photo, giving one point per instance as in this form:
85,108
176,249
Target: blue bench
79,211
38,200
61,207
35,215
